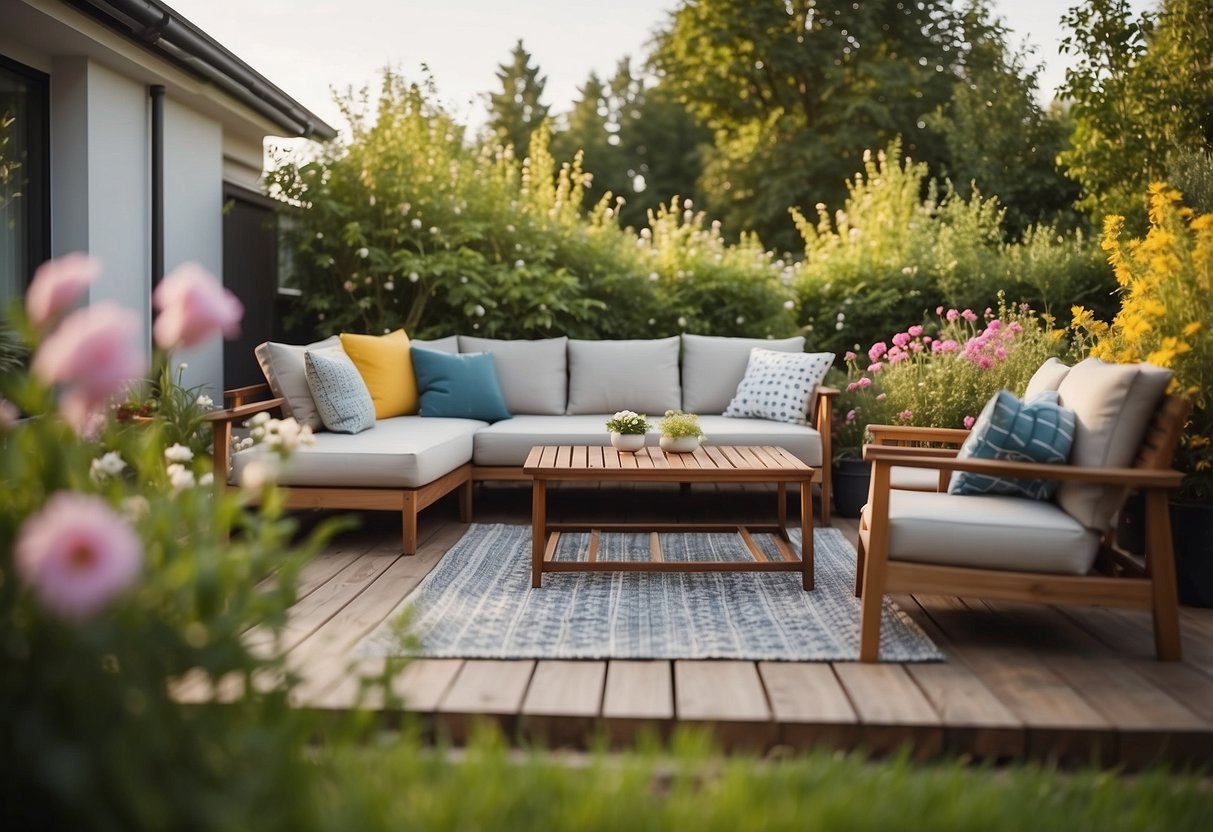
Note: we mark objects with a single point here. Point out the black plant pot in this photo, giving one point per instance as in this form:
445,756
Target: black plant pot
850,485
1191,540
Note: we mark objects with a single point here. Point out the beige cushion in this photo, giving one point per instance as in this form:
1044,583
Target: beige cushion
401,452
987,532
712,367
449,344
917,479
282,366
533,374
639,375
1112,406
1046,379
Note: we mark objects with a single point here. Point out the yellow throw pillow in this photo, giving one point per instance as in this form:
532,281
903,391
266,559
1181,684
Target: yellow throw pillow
383,362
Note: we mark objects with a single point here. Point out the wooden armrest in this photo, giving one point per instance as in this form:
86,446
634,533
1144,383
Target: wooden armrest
937,459
883,434
241,395
828,392
233,414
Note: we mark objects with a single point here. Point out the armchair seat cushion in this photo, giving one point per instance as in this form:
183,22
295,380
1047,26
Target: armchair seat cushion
987,532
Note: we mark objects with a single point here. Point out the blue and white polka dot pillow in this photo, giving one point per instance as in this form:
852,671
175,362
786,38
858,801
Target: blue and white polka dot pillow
779,385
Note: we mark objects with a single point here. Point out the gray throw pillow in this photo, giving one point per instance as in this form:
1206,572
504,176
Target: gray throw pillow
341,397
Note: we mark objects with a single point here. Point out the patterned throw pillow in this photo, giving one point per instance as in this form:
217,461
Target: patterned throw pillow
341,397
779,385
1039,431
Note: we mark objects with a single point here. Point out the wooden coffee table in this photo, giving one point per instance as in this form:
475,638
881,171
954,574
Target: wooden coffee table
711,463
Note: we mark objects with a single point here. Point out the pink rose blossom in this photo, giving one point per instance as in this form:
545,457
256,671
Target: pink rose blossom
985,362
1015,327
93,354
968,421
57,285
938,310
876,350
850,417
897,355
850,356
969,315
901,339
915,331
864,383
994,325
926,339
875,367
77,555
916,346
193,306
952,315
905,415
852,387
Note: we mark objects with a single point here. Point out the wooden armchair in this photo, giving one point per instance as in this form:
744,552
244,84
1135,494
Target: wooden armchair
1013,548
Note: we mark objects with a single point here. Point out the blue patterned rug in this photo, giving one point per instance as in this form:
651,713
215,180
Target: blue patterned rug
478,603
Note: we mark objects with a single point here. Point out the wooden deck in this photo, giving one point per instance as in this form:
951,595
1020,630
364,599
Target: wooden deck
1071,684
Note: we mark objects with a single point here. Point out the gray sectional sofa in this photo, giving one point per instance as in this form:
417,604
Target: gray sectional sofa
558,391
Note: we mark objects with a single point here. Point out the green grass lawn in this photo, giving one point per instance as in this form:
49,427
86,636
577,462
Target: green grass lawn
401,785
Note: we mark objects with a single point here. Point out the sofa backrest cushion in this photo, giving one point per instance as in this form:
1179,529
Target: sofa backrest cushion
712,367
460,386
1046,379
1112,405
283,368
383,361
534,375
640,375
449,344
779,385
341,397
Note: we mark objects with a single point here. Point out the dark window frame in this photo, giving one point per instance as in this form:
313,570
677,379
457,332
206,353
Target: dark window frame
37,162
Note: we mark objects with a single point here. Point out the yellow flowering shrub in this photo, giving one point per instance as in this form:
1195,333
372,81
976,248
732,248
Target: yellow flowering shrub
1166,316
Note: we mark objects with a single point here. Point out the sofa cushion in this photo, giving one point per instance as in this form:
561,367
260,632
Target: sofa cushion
401,452
712,367
508,443
1112,406
987,532
383,361
1009,429
341,397
779,385
282,366
640,375
449,344
534,375
1047,378
459,386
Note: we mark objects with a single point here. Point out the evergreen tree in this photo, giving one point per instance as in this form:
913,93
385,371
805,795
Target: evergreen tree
516,111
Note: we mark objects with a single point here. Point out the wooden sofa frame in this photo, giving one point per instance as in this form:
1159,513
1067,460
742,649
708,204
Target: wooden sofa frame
244,402
1118,579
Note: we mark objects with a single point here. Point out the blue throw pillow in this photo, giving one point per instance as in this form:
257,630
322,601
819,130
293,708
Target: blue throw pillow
1040,430
459,386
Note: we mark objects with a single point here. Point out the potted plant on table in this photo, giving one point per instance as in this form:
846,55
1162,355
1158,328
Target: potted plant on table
627,429
680,432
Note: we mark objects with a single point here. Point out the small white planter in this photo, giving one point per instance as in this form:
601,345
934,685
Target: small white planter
680,444
627,441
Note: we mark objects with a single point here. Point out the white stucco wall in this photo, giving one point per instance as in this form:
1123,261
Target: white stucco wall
193,220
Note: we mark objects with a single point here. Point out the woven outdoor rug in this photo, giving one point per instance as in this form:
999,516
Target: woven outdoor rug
478,603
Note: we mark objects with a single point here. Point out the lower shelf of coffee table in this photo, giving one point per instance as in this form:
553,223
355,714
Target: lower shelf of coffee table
790,561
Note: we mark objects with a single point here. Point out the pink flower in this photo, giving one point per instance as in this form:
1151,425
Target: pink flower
968,421
905,415
994,325
901,339
852,387
193,306
864,383
897,355
969,315
985,362
952,315
77,555
850,417
881,397
916,346
57,285
93,354
1015,327
915,330
945,346
8,414
850,356
938,310
875,367
876,350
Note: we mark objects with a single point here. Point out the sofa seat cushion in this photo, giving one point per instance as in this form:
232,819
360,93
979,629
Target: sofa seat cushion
987,532
508,443
401,452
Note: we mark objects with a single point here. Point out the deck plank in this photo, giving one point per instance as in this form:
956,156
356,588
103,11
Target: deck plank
563,702
729,697
892,710
491,690
809,704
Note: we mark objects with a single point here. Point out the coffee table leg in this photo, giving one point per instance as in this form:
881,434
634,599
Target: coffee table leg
539,529
806,533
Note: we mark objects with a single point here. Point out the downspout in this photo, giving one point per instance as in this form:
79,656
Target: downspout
157,93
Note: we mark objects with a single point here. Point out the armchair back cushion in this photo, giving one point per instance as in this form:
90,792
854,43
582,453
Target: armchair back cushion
1046,379
533,374
712,367
282,366
640,375
1112,406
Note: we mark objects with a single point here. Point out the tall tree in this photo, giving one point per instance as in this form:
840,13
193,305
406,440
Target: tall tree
586,130
999,139
516,111
1142,92
794,92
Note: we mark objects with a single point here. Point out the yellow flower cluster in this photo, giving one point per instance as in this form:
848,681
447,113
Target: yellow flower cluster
1166,311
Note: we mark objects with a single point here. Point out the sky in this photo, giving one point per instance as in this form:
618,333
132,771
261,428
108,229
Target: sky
307,47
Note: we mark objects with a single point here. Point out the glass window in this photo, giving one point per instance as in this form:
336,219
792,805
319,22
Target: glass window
24,177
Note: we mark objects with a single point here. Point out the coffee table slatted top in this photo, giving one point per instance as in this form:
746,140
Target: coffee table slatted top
710,463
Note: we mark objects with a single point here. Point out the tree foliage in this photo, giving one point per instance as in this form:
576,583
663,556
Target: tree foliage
516,111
